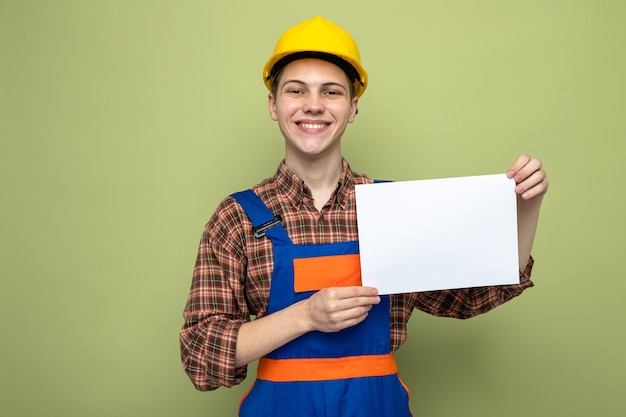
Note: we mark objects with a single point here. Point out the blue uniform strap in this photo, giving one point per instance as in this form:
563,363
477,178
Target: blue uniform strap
264,222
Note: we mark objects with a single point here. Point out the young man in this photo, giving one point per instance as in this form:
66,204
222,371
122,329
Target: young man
286,251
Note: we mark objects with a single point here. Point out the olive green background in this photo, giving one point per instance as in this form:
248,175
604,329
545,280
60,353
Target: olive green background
123,123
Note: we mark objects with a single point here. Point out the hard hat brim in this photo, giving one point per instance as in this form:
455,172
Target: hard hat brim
355,72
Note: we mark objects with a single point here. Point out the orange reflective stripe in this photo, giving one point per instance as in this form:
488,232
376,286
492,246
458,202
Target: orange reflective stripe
324,369
312,274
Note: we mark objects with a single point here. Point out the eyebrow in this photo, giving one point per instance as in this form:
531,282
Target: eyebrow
327,84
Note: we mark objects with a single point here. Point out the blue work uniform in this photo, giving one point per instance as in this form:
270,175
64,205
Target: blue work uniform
348,373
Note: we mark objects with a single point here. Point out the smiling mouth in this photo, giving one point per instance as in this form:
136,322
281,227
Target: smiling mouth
313,126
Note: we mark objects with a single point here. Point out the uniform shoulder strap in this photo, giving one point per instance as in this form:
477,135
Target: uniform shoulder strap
264,222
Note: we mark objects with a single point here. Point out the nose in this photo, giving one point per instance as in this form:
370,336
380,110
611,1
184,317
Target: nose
314,104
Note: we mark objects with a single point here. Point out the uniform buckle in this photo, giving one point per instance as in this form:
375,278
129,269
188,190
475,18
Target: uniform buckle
259,231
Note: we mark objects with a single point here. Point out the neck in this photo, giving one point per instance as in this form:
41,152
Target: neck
321,176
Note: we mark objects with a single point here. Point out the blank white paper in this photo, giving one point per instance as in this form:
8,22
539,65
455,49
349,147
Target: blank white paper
438,234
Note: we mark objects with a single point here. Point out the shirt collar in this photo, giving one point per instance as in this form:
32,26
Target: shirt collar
298,192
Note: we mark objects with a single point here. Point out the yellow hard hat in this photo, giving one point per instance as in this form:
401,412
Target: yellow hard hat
317,38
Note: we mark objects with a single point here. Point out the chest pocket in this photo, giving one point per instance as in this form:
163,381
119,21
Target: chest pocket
316,273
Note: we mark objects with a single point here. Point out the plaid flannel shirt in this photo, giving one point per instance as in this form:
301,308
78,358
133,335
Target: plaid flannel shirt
232,275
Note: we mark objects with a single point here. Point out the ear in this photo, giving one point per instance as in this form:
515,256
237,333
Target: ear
355,109
271,104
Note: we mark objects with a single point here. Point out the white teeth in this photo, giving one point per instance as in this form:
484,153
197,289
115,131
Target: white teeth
312,125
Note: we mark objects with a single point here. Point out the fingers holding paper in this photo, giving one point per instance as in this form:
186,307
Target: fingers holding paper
530,177
336,308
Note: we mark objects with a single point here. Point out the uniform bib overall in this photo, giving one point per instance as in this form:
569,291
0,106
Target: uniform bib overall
348,373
